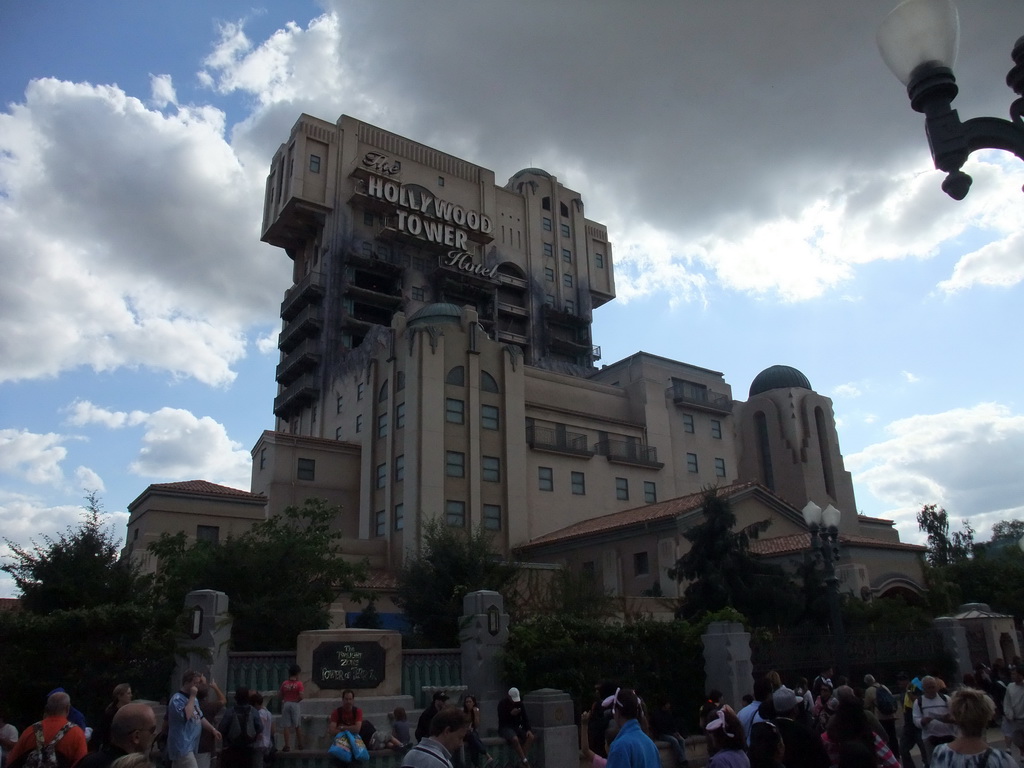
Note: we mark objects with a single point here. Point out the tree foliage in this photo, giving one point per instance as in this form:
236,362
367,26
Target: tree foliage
944,549
80,568
451,564
280,577
87,621
723,574
1011,531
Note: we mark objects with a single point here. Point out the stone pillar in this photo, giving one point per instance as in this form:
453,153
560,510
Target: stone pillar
727,663
484,634
954,642
206,646
553,721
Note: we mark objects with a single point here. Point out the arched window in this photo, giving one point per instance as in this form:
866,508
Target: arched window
487,382
383,395
456,376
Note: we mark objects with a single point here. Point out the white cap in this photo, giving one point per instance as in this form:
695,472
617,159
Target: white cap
513,693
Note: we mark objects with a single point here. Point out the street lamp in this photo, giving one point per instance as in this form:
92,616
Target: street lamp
824,527
918,41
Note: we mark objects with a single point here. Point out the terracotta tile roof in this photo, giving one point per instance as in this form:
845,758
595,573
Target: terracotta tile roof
649,513
794,543
866,519
379,580
205,488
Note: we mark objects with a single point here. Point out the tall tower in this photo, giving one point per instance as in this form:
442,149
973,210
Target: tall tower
376,224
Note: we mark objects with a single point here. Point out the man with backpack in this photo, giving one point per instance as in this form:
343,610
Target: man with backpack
880,701
931,715
240,728
53,742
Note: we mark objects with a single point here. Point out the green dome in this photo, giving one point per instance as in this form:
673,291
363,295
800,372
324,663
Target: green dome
778,377
435,314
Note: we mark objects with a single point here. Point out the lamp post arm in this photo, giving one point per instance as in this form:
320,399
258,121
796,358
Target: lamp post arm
995,133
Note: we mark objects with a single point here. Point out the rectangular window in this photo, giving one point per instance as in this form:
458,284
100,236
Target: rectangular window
440,181
306,469
588,568
691,462
641,564
719,467
566,255
418,263
360,390
263,458
399,516
622,488
545,478
549,249
549,299
399,468
570,306
716,429
578,482
417,293
367,218
314,163
492,517
339,403
359,423
400,416
549,274
599,260
454,411
455,513
382,475
208,533
688,423
489,417
491,469
455,464
565,230
382,425
545,224
337,433
567,281
650,492
380,523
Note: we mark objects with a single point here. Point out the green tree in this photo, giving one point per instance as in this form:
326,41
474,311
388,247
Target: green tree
280,577
723,574
1008,530
80,568
944,549
88,621
451,564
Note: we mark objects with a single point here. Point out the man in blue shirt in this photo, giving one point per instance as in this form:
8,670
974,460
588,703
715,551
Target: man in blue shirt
185,720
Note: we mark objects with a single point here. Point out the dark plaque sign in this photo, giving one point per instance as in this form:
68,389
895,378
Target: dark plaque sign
348,665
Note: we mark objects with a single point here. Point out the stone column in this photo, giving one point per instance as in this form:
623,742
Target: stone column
206,646
484,633
727,663
552,720
954,642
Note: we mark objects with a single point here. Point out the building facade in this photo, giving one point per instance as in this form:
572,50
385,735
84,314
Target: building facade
437,362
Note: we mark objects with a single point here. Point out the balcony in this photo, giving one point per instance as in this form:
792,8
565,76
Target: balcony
558,440
513,309
304,357
303,390
513,281
699,396
309,290
308,322
511,337
596,352
629,452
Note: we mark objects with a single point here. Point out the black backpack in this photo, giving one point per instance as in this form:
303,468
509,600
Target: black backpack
241,729
885,702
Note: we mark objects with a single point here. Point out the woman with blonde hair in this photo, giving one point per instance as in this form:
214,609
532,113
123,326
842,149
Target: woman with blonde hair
972,710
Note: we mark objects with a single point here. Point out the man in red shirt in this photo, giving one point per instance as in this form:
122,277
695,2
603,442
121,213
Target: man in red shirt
69,750
347,717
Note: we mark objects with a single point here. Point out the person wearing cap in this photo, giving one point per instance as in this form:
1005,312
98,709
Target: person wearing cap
514,725
911,734
804,749
423,724
887,719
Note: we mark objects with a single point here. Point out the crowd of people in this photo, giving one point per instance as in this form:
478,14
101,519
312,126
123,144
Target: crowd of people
827,724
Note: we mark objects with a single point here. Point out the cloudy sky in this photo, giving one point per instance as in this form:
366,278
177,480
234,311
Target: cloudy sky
766,186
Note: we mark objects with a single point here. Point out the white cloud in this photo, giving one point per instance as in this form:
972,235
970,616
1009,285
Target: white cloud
267,345
850,390
83,412
88,480
965,460
33,457
909,377
162,91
